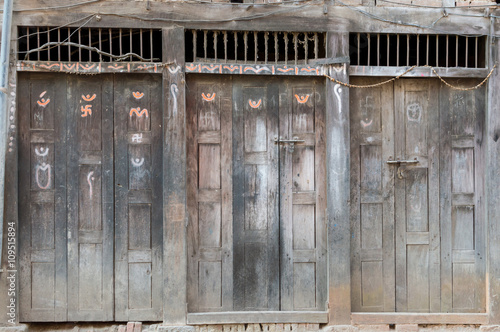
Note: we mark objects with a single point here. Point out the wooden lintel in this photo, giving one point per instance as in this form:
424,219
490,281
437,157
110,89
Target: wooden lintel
91,67
262,17
418,318
385,71
268,317
262,69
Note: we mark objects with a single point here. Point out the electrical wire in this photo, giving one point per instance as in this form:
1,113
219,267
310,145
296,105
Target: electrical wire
61,26
57,7
434,7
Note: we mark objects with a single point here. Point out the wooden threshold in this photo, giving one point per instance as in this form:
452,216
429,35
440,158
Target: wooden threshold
243,317
418,318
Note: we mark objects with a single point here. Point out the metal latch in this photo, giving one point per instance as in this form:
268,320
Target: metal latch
290,142
400,163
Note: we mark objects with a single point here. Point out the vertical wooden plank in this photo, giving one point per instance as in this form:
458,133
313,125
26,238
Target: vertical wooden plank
493,186
446,105
337,181
400,198
174,179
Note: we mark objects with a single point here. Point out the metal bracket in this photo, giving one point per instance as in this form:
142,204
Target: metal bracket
400,163
290,142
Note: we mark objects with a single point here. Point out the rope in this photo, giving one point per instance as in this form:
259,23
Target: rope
348,85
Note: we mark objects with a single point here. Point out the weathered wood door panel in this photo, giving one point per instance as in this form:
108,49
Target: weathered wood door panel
74,133
42,201
254,198
463,248
209,185
418,239
138,198
90,199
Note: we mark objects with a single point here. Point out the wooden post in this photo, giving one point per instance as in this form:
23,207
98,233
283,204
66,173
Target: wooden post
493,185
11,220
174,179
337,166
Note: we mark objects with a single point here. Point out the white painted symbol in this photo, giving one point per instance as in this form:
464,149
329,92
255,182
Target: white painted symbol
174,90
137,162
43,152
414,112
137,138
368,110
174,70
337,91
46,168
90,178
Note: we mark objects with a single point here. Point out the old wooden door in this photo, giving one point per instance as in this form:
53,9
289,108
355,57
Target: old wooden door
91,155
256,205
414,235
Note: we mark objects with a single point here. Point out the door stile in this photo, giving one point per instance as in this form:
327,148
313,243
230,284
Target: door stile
285,199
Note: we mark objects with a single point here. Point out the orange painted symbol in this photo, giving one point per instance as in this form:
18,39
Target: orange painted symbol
87,110
138,112
302,99
208,96
138,95
88,97
254,104
43,102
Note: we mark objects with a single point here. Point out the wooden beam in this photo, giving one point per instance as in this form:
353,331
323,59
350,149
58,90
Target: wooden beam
263,317
337,165
224,16
417,72
174,180
493,186
420,318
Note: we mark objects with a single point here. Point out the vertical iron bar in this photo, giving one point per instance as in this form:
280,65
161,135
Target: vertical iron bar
195,35
100,44
407,50
69,47
28,42
397,48
475,53
378,49
427,52
225,46
245,42
306,47
90,45
79,43
266,42
151,44
59,45
255,46
215,45
205,44
235,34
316,46
110,32
130,43
369,47
437,50
456,52
38,41
388,51
447,50
120,36
286,47
466,51
418,50
48,40
296,47
358,48
140,42
276,49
